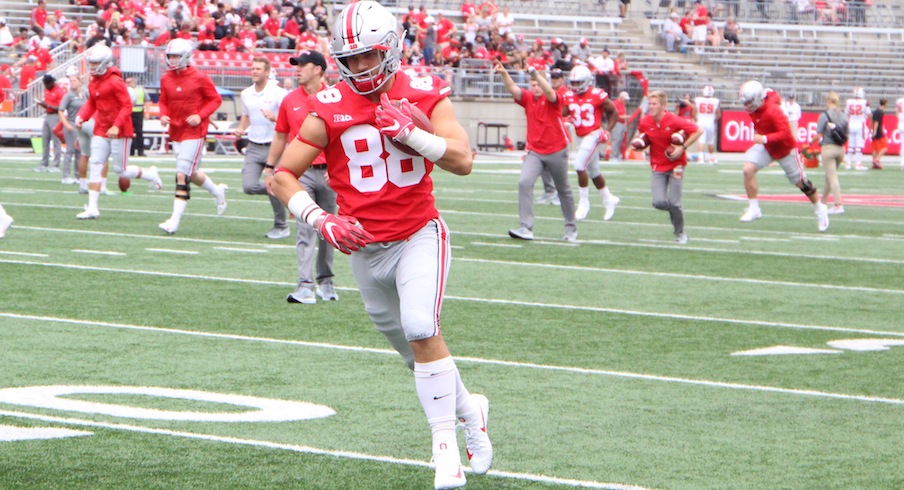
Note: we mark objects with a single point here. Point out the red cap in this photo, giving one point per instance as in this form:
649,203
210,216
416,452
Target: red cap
539,41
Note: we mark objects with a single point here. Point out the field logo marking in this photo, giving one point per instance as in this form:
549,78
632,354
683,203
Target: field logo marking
269,410
857,345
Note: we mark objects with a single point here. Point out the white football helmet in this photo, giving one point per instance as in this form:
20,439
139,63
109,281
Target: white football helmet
362,27
580,79
708,91
100,59
752,94
859,93
182,48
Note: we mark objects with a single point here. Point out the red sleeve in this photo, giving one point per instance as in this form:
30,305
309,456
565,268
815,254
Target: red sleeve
125,105
210,96
282,117
163,103
87,109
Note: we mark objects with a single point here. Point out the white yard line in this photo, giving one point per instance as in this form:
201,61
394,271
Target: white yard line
476,360
307,450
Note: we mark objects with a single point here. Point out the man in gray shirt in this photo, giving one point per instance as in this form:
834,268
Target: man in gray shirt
72,102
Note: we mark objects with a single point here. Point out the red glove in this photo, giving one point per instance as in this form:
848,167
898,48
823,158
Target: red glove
342,232
604,136
393,121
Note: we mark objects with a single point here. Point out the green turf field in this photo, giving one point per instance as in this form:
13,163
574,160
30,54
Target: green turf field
622,361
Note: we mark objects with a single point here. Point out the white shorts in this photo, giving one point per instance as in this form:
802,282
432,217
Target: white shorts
709,132
103,148
588,157
188,155
699,33
791,164
856,137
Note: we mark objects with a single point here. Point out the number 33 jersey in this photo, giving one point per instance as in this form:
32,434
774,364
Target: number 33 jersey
387,189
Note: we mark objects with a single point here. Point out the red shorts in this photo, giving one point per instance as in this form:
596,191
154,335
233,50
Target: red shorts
880,144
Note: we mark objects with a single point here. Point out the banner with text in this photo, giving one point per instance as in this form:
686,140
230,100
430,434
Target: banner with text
736,132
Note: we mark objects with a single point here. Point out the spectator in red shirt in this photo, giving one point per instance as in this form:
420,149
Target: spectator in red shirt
248,37
274,32
468,9
5,82
667,159
547,145
445,30
699,19
230,43
39,14
53,95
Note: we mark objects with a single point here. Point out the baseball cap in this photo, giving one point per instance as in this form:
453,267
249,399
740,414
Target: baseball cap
675,15
583,41
306,56
556,73
72,71
429,19
539,41
624,95
3,20
48,79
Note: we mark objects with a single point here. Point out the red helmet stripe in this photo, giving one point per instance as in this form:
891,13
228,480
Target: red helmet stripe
349,25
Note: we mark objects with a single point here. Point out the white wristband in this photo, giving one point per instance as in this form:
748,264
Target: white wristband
303,206
432,147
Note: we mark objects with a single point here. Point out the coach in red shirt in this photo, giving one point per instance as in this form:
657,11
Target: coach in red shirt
547,149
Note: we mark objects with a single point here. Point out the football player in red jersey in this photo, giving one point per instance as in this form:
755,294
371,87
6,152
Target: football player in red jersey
586,106
187,99
292,112
773,141
399,245
667,159
110,106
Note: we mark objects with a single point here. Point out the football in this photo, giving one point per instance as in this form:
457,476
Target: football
419,119
673,152
124,184
678,137
640,142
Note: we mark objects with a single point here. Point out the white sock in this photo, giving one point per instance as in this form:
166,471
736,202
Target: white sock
178,208
584,193
82,183
131,172
92,199
755,203
712,156
605,193
210,187
436,383
103,184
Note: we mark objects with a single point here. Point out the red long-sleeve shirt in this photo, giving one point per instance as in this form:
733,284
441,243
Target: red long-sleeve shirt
183,93
660,136
109,103
770,121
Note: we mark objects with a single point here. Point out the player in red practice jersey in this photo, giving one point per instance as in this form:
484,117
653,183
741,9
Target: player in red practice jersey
110,106
773,141
292,112
399,245
187,99
667,159
586,105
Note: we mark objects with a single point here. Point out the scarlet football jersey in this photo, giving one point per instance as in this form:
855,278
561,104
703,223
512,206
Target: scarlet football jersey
389,191
586,110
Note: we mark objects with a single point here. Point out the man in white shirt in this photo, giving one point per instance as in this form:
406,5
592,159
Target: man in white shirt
792,110
604,66
260,106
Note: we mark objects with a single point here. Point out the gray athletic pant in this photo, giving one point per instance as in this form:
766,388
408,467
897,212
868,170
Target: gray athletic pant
255,159
314,182
534,164
50,121
667,197
72,153
618,139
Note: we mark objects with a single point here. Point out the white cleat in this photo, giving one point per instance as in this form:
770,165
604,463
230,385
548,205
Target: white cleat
610,205
822,216
221,198
582,210
479,447
751,214
169,226
522,233
88,214
836,210
5,222
681,238
571,236
449,473
153,176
